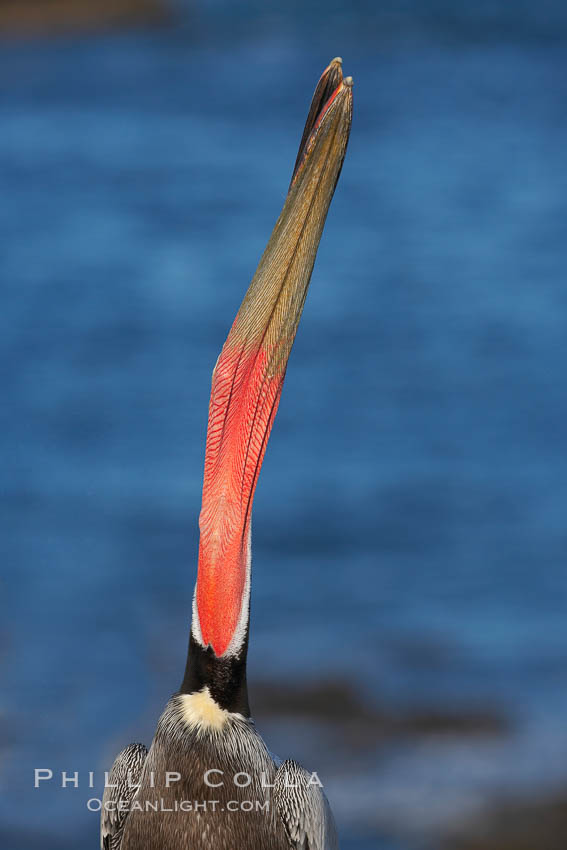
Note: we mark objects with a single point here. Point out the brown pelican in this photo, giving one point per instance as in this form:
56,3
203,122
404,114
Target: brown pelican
208,782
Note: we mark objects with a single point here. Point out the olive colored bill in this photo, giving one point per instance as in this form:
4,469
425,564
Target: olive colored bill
271,309
249,374
329,81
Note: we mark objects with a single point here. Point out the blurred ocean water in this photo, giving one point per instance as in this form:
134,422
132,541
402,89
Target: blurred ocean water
409,528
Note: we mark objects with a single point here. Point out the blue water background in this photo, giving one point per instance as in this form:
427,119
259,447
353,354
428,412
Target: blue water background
409,526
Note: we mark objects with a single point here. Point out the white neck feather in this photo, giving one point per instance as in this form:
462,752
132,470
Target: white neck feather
202,713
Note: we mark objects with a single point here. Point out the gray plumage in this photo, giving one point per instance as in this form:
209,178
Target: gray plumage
288,812
118,794
304,809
